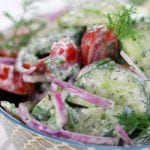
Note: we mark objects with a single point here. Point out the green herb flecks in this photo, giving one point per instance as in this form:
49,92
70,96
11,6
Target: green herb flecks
134,123
122,23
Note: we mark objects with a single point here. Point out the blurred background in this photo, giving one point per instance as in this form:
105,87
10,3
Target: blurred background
53,6
14,7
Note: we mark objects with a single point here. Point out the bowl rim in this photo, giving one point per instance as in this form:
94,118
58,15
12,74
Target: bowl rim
68,141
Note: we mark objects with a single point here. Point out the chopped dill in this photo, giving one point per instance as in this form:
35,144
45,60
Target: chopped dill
134,123
121,22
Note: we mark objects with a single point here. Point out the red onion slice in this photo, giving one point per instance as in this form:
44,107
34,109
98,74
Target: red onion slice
39,126
98,101
137,70
35,78
61,112
6,60
19,64
123,135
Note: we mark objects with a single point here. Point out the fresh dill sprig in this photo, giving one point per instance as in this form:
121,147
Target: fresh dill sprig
121,22
134,122
144,137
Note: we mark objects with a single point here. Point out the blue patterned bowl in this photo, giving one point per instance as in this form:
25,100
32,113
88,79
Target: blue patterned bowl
26,138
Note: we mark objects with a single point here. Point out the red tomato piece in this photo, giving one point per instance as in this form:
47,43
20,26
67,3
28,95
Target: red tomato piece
98,43
64,59
12,81
8,53
66,49
39,65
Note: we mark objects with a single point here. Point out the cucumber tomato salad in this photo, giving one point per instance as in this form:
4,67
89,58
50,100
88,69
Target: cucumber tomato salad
84,82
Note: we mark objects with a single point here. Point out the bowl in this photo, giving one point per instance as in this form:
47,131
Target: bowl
25,138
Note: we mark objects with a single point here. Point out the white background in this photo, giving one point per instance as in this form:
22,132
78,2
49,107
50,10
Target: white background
14,7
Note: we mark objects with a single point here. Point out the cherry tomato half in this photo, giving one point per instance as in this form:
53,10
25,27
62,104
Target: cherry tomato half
12,81
98,43
66,49
8,53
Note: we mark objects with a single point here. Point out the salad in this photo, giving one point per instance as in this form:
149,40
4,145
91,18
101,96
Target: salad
84,82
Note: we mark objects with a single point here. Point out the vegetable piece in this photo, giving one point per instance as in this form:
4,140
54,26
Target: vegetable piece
98,101
109,80
89,67
134,124
66,49
41,110
98,43
91,121
31,58
10,108
27,63
136,69
123,135
41,127
138,50
143,138
19,65
52,121
7,53
122,23
12,81
61,111
7,60
35,78
64,59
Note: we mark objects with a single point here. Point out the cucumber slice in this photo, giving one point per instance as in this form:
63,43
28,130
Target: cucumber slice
112,82
41,110
90,121
139,49
120,85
